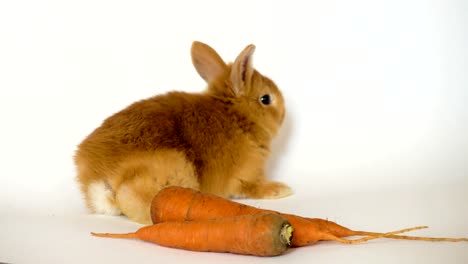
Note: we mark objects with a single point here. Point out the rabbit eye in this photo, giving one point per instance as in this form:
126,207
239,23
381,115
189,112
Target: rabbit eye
266,99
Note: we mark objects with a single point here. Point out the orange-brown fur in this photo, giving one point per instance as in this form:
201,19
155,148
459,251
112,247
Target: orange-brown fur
216,141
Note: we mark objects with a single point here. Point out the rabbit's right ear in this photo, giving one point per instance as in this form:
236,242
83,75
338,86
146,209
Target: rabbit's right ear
207,62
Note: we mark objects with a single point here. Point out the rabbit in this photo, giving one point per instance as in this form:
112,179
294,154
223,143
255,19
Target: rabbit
215,141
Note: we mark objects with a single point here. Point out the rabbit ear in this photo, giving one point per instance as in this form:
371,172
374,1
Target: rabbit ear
207,62
242,69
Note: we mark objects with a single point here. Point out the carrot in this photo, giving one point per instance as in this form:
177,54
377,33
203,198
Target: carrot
177,203
264,234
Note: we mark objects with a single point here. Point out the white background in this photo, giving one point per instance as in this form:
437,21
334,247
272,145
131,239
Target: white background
375,137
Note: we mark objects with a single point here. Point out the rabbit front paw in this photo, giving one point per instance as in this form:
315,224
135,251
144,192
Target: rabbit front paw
267,190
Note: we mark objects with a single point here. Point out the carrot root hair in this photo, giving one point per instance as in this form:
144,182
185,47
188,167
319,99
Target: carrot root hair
374,235
394,236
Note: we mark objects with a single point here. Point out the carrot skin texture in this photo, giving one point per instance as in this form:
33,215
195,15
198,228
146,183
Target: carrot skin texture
178,203
259,235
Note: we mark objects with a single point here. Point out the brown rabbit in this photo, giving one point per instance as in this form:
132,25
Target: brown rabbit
216,141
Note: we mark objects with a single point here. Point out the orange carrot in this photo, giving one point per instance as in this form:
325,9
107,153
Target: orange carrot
177,203
264,234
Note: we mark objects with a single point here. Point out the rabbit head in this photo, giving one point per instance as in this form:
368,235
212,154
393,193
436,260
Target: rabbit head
250,92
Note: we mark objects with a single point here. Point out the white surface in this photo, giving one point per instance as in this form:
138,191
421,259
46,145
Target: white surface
62,236
375,136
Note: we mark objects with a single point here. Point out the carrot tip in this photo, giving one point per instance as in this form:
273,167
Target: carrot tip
110,235
101,234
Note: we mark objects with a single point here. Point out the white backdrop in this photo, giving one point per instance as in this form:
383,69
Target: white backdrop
376,91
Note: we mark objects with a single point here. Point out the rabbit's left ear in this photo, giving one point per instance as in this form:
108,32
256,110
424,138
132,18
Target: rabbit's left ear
242,70
207,62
